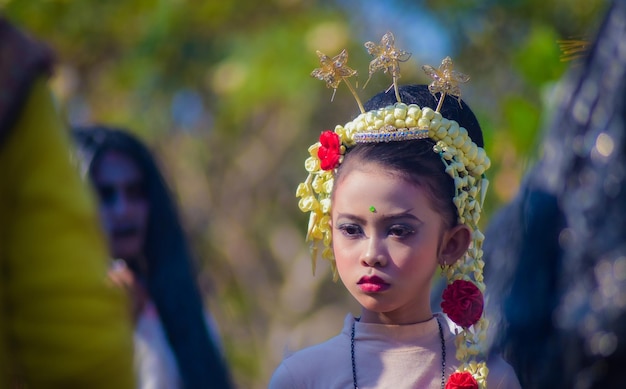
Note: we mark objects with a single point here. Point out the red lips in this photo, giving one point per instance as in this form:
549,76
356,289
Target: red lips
372,284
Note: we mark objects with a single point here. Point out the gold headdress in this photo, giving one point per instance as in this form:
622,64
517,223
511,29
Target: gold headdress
463,160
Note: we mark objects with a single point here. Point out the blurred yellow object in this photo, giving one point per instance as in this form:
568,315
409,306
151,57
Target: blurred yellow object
573,49
61,324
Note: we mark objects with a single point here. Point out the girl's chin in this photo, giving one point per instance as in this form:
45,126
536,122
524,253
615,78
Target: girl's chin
373,302
126,250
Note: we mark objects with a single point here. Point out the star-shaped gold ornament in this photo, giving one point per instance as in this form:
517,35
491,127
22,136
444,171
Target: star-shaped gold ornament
333,71
387,58
445,80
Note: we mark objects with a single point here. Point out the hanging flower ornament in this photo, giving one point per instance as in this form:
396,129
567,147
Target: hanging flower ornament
463,380
463,303
387,58
463,160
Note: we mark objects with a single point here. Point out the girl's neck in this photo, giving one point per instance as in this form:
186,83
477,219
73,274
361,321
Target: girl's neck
389,317
138,265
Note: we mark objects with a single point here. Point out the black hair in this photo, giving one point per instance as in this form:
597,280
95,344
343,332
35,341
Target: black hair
451,109
169,272
415,160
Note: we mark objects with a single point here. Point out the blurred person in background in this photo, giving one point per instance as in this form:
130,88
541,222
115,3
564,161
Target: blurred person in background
176,344
62,324
558,251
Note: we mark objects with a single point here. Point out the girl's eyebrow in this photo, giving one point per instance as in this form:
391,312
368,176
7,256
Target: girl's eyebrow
399,215
402,215
351,217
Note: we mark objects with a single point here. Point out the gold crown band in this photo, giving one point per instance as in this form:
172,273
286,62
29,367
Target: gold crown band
391,134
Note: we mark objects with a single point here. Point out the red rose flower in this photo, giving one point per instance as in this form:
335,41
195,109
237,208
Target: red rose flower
463,303
462,380
330,150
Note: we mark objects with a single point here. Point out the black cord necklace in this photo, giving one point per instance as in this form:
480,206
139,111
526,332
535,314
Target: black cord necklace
443,355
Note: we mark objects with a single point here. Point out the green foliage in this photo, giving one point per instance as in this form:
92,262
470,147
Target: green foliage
522,119
538,60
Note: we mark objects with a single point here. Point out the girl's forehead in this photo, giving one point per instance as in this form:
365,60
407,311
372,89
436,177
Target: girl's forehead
376,195
370,171
371,179
114,164
374,181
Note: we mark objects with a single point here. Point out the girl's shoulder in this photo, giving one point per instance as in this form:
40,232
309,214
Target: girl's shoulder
306,367
501,374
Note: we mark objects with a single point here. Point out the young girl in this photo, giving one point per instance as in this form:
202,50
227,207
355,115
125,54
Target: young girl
175,345
398,191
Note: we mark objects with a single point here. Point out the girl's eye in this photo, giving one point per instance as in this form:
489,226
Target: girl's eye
136,191
350,230
401,231
107,194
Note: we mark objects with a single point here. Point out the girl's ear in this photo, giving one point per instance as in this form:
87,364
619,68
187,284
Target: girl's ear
455,243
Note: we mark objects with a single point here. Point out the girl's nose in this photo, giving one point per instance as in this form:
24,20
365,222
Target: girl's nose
375,254
121,204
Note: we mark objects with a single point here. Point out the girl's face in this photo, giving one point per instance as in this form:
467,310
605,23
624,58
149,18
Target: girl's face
123,204
387,241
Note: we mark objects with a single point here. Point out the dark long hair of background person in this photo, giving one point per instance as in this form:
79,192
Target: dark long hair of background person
169,276
557,254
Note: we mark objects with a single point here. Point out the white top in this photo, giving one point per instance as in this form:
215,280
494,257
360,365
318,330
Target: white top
155,362
386,356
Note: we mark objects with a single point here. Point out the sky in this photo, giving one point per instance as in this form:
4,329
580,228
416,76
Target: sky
415,28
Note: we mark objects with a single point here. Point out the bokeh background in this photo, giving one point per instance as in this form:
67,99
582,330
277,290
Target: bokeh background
221,90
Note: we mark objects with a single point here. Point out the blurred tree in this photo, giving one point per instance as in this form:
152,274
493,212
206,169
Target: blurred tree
221,90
